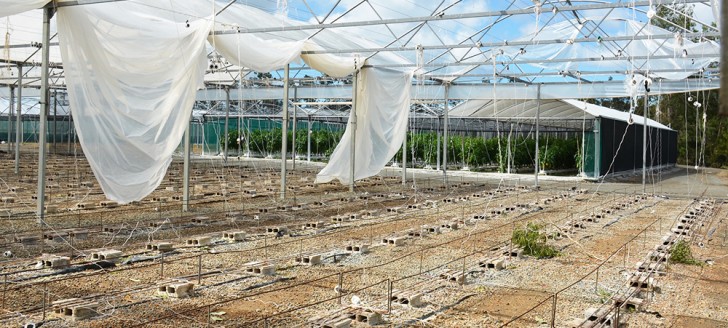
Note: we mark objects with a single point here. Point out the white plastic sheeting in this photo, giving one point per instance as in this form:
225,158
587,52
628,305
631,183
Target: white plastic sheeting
667,58
382,110
12,7
258,54
131,79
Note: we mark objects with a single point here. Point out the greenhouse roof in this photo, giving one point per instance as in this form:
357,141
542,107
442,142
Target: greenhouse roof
520,110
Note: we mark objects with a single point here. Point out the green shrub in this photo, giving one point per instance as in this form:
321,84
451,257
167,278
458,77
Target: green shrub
681,253
533,241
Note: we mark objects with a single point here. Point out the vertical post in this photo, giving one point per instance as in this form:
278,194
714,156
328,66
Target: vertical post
352,155
537,167
510,156
19,120
438,144
308,139
186,169
553,312
199,269
723,62
284,129
55,120
44,93
341,286
295,122
644,139
444,132
227,118
10,116
404,154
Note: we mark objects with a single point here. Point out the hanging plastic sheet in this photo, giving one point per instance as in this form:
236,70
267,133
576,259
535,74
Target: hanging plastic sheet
382,110
12,7
132,70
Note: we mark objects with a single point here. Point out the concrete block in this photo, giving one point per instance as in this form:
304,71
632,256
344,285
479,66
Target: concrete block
340,218
51,209
411,298
308,259
277,230
493,263
54,261
160,247
450,225
361,248
106,254
453,276
199,241
58,236
630,304
261,269
78,234
656,256
85,206
414,233
430,229
657,268
643,281
314,225
87,184
108,204
394,241
7,200
368,317
176,288
337,323
234,235
394,210
27,239
75,309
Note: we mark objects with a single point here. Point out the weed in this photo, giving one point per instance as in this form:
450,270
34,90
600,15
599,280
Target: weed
681,253
533,242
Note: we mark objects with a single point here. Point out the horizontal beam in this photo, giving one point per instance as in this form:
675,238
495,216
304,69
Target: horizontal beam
516,43
443,17
472,91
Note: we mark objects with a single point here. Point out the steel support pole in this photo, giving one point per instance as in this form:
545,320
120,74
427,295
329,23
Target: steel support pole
44,106
404,154
438,144
227,118
10,117
723,103
538,121
293,134
186,169
284,132
308,140
352,155
55,120
644,139
444,132
19,120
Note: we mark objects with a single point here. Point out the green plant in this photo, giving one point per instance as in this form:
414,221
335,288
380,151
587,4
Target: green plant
681,253
604,295
533,241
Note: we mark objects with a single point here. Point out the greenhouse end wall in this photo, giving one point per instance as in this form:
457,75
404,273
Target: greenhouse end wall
661,143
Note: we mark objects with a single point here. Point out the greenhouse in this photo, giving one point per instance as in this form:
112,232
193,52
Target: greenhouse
356,163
